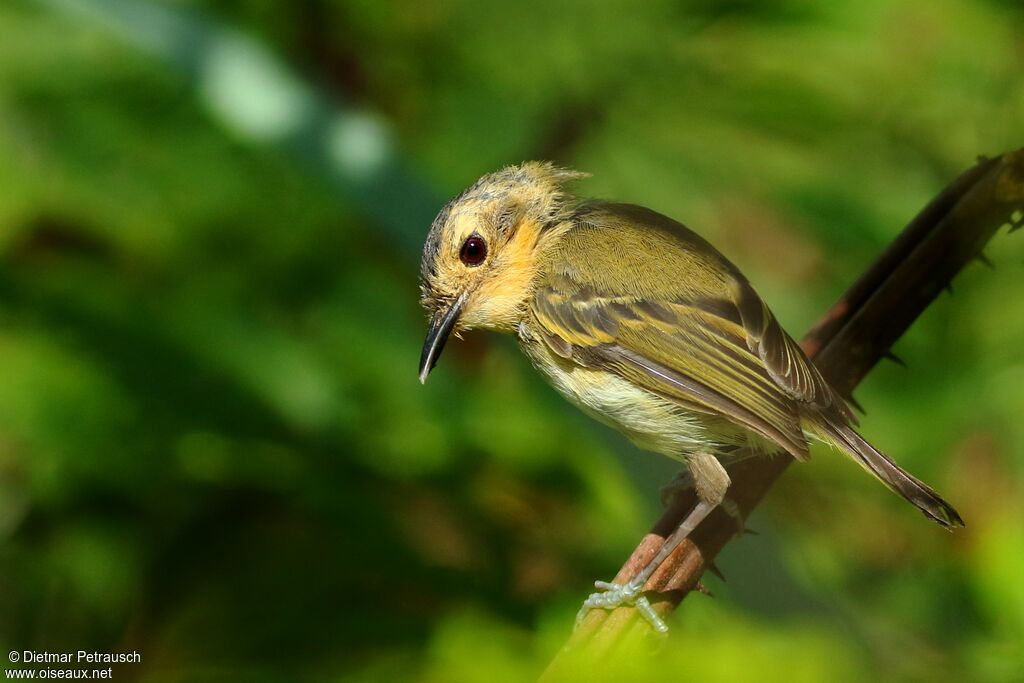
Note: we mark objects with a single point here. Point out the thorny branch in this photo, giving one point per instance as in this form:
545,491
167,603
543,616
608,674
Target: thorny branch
848,340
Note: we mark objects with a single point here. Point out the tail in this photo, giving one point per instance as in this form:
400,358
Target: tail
888,472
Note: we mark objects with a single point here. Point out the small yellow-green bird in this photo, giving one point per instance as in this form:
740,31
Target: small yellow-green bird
644,326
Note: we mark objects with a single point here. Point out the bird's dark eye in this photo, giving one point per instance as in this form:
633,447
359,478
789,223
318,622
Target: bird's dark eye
474,250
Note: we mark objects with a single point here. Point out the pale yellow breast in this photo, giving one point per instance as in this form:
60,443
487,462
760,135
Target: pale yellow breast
650,421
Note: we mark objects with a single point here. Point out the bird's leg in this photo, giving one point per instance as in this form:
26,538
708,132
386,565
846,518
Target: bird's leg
711,481
683,483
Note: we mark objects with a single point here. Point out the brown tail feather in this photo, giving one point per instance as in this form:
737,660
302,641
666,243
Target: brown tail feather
889,473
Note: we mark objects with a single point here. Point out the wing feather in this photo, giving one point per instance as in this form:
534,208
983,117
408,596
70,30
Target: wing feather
675,349
697,334
784,359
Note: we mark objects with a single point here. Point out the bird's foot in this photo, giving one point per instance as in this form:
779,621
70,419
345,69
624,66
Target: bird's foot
613,595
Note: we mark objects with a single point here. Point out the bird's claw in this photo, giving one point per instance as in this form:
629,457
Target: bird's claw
613,595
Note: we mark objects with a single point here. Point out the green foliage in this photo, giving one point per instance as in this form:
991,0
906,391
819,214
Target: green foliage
213,447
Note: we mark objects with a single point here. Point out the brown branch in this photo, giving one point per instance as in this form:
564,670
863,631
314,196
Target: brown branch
847,342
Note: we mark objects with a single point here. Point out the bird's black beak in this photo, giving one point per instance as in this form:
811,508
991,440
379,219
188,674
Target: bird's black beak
441,325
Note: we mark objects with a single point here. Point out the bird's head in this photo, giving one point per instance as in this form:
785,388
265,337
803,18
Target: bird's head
479,260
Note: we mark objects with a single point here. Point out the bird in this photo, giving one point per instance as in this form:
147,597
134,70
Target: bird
647,328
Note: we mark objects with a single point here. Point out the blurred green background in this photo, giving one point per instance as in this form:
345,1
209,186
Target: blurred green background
213,447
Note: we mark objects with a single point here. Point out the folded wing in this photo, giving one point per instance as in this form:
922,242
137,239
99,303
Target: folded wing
715,348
